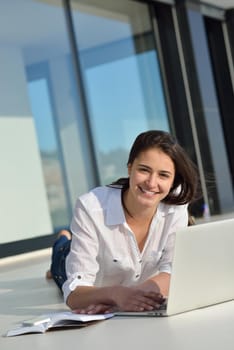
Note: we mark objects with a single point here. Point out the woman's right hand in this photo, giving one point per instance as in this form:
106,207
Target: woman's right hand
89,299
117,298
135,299
94,309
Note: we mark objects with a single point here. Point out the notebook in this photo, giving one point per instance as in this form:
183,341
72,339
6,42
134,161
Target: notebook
202,269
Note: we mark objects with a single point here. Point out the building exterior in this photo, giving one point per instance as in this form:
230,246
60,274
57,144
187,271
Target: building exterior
79,79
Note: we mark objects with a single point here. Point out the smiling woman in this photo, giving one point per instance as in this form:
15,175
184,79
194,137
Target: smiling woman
151,178
123,234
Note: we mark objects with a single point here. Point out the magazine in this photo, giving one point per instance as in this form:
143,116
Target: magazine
43,323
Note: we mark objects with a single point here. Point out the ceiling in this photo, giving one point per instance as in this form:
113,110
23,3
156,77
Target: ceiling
225,4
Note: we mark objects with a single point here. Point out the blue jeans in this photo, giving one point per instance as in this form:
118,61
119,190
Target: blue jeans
60,251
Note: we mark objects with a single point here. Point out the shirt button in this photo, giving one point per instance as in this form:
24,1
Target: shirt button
79,277
137,276
140,261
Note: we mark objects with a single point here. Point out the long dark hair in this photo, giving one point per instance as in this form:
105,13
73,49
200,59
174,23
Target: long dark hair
185,185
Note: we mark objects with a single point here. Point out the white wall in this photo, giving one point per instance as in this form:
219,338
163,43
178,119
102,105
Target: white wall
24,211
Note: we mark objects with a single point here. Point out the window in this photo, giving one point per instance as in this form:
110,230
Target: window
121,76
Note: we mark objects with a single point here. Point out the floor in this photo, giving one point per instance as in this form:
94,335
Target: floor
24,291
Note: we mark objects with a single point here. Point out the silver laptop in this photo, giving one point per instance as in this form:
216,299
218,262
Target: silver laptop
202,271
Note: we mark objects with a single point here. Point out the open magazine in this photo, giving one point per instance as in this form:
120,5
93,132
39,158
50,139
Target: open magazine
55,320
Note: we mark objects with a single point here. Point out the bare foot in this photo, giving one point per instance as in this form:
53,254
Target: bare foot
61,233
65,233
49,275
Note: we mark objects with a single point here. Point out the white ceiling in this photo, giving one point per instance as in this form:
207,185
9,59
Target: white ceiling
225,4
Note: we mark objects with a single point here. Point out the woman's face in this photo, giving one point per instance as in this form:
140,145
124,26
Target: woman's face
151,177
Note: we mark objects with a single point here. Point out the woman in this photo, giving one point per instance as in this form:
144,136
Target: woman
123,234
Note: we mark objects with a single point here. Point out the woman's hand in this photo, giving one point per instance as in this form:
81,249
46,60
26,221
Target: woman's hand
126,299
136,299
96,309
147,296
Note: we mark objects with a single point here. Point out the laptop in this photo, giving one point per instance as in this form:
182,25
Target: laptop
202,269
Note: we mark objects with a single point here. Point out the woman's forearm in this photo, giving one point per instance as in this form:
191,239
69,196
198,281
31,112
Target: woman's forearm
83,296
163,282
120,297
159,284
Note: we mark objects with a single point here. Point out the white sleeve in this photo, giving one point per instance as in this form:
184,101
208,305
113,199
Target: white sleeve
81,263
179,220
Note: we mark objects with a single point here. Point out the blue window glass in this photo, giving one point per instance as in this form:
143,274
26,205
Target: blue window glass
121,76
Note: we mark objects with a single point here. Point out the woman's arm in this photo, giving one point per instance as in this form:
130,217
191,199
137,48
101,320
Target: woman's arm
94,299
159,283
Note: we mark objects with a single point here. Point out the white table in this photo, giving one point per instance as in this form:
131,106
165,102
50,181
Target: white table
25,293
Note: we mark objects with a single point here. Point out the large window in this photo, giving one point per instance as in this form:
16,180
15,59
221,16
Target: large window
121,76
43,114
42,138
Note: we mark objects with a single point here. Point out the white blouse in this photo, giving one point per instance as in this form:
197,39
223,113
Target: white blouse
104,250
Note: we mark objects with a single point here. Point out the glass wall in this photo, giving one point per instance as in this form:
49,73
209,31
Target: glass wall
43,114
44,137
215,161
120,71
79,79
220,47
41,150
